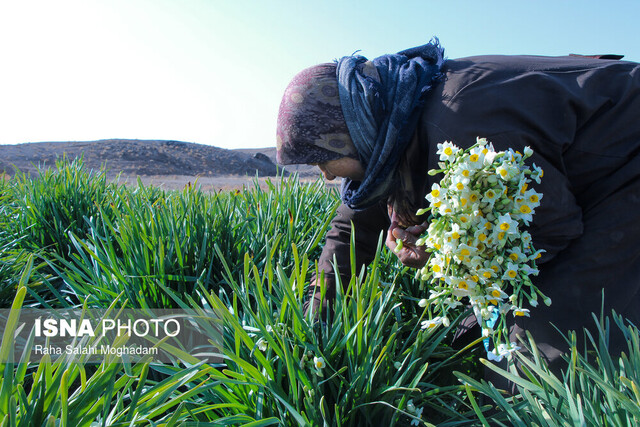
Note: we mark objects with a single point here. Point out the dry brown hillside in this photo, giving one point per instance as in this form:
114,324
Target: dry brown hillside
170,163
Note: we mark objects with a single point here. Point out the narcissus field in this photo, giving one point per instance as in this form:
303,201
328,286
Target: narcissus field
70,238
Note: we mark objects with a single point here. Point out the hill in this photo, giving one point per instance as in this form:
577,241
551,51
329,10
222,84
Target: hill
169,163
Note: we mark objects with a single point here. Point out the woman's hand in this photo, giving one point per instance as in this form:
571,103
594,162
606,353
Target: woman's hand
409,254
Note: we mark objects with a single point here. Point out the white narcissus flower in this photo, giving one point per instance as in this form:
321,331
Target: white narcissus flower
464,252
445,209
435,195
318,363
489,156
510,272
462,176
537,254
519,311
447,151
528,152
495,293
437,266
501,351
537,173
485,274
528,270
503,172
516,255
461,287
432,323
532,198
476,158
262,344
507,224
490,196
418,414
455,233
465,220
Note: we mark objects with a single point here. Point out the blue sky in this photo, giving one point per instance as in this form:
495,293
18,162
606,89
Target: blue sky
213,72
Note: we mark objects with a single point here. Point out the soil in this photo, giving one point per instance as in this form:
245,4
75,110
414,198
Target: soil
169,164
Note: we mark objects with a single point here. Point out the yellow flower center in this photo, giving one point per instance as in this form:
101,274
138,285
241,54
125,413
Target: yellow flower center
486,274
455,235
503,172
465,252
473,197
474,158
460,186
435,192
525,209
495,293
475,278
512,273
436,268
465,173
493,301
448,151
463,285
482,237
501,235
513,256
524,187
463,202
491,194
519,313
534,198
504,226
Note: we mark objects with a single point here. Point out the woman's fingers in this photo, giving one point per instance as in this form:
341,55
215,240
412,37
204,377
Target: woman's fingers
408,253
405,236
416,230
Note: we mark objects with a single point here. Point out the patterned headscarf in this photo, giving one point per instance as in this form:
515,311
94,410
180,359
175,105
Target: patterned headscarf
311,127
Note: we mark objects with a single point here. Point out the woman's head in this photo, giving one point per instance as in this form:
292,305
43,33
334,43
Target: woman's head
311,127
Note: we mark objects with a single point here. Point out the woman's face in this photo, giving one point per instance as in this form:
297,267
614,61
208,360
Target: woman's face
344,167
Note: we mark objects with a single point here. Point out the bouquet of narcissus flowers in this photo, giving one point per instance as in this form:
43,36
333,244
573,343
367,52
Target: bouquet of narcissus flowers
479,249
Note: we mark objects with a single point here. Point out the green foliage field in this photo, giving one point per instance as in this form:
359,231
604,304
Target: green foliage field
69,238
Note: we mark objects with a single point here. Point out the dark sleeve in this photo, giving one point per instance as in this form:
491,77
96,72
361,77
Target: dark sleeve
368,224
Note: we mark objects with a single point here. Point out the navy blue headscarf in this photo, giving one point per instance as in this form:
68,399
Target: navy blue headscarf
381,101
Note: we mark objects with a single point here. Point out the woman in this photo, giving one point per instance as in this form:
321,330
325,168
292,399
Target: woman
377,123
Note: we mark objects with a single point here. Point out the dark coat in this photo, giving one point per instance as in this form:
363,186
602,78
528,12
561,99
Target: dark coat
581,116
